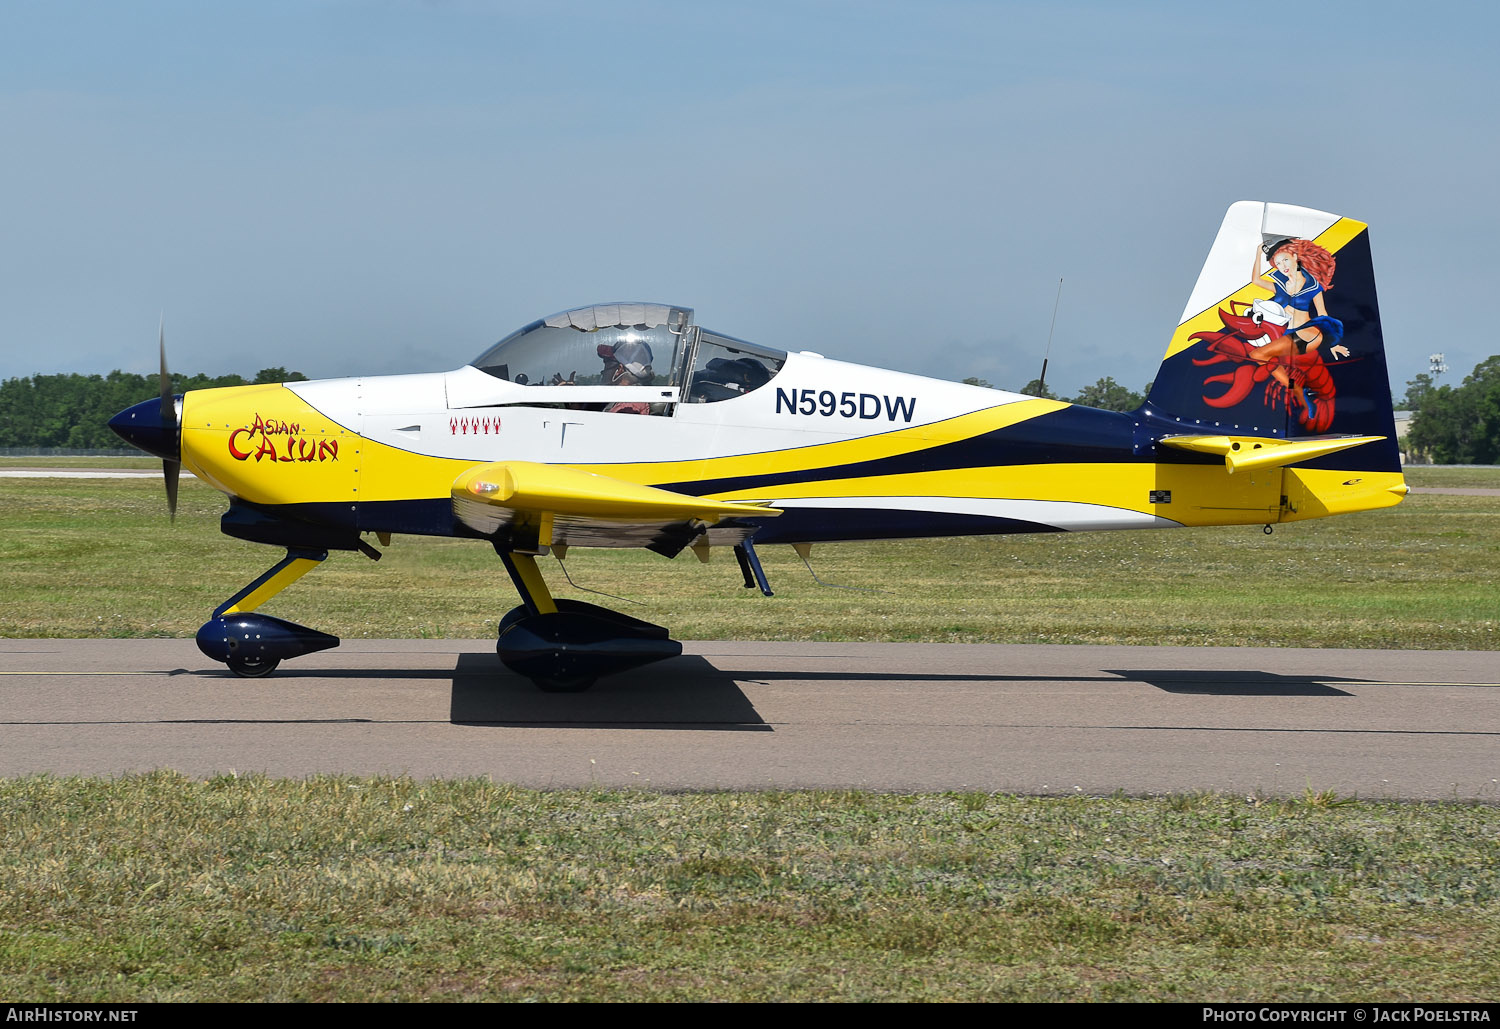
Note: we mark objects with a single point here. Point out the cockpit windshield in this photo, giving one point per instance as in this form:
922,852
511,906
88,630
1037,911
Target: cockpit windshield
602,345
632,345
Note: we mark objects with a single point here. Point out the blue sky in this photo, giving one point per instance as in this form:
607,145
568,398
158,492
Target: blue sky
359,188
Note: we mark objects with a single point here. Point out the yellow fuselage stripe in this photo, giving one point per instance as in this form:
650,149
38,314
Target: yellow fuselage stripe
1200,494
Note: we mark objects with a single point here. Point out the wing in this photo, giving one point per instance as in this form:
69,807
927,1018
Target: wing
526,505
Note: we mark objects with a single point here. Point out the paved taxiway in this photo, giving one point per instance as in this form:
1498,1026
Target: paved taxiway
1033,719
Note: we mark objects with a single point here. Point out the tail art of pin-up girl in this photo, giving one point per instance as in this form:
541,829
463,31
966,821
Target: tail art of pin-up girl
1301,273
1278,342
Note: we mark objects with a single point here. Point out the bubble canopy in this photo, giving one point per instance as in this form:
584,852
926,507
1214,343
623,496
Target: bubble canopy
588,345
632,344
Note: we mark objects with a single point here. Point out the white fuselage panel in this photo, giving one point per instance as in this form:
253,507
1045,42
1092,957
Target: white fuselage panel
470,415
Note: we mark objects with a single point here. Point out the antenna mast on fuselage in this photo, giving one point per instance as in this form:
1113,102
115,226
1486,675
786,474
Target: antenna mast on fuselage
1041,383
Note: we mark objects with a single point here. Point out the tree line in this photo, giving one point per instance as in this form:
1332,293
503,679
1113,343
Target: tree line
74,410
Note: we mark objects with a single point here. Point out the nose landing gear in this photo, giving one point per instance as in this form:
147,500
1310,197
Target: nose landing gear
253,644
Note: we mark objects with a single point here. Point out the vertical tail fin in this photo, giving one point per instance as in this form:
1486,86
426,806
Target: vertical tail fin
1281,336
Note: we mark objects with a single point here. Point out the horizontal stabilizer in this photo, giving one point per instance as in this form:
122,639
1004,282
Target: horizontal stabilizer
1247,452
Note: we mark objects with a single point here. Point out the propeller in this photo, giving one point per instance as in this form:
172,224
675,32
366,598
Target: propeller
170,467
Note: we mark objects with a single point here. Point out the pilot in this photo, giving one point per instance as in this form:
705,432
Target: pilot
627,364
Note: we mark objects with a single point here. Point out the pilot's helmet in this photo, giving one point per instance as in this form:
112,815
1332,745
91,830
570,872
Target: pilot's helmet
633,359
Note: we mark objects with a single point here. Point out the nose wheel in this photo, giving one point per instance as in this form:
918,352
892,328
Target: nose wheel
252,667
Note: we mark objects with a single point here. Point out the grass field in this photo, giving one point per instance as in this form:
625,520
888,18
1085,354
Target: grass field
164,888
1453,476
96,557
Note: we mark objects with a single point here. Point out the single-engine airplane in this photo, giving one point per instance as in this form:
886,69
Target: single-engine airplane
629,425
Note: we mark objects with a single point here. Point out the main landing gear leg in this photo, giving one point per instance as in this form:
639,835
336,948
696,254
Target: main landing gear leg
254,644
564,645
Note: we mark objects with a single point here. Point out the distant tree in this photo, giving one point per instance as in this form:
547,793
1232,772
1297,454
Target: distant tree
1417,389
975,380
183,383
1037,388
1461,425
74,410
1108,395
266,375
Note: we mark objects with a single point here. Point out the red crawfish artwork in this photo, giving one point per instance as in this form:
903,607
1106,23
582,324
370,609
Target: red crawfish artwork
1257,340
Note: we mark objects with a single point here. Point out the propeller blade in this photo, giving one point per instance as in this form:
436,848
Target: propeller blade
169,472
168,408
170,469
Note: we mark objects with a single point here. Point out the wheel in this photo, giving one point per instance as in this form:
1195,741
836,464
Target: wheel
252,667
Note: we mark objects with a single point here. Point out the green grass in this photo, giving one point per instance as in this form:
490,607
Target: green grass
90,558
164,888
1453,477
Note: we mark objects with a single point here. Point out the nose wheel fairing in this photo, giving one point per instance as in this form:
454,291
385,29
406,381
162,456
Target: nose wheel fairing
253,644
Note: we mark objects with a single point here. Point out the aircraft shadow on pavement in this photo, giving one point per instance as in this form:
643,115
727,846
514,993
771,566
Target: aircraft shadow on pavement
1208,682
1252,683
1205,682
680,693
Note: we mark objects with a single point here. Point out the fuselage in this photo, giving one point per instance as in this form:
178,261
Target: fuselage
846,451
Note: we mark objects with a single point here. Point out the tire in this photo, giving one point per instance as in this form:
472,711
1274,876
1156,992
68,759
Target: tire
252,667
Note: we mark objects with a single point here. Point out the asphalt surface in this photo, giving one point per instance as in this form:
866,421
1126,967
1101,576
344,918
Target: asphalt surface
1029,719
